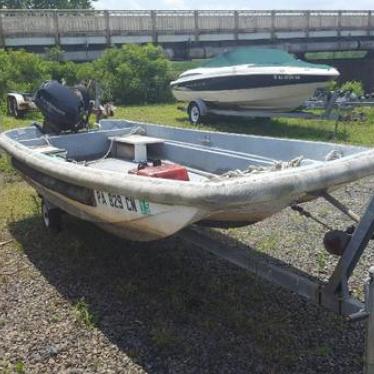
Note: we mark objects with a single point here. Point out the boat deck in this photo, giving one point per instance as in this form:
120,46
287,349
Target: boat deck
124,166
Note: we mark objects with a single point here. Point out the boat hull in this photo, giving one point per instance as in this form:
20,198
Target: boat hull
276,99
124,216
140,220
268,88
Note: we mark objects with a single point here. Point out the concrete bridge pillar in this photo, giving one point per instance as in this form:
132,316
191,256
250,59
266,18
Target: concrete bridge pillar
154,26
57,28
2,39
107,28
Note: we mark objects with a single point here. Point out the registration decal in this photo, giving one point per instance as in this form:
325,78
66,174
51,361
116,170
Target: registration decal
287,77
144,207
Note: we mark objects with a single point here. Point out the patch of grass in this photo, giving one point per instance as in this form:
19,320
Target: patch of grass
7,122
19,367
322,258
17,201
5,165
268,244
360,133
83,314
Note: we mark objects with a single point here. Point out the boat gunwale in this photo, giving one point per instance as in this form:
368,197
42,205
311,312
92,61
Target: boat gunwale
238,70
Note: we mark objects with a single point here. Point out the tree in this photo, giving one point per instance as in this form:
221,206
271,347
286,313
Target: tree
21,71
46,4
55,53
134,74
129,75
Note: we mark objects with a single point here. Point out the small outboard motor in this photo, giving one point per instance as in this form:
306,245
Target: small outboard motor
63,108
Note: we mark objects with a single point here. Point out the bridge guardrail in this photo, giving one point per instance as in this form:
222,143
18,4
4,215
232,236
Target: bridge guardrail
107,23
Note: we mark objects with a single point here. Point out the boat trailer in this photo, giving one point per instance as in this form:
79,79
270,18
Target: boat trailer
333,108
333,294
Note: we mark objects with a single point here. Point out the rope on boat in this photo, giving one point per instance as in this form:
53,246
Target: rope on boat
276,166
254,169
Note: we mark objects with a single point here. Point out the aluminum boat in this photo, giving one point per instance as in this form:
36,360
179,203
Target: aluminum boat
146,182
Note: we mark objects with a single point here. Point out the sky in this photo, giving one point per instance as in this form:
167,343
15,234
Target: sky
236,4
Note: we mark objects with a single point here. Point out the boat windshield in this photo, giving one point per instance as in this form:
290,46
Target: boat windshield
258,57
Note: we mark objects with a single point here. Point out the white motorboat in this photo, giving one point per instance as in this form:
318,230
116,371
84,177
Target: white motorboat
253,79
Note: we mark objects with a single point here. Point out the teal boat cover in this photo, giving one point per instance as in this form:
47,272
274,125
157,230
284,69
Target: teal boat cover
259,57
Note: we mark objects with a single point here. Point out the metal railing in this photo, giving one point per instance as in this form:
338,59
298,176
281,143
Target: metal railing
107,23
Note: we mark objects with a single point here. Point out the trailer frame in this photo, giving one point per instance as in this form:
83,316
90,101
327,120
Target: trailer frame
332,109
333,295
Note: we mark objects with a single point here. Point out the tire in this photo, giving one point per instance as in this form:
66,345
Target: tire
194,113
51,217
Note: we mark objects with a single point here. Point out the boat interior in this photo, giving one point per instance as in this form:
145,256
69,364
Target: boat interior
154,150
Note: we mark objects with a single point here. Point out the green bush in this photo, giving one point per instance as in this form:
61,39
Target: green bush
353,86
63,71
85,71
134,74
128,75
21,71
332,85
55,53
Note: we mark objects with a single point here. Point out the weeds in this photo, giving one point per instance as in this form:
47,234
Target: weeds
19,367
322,258
83,314
268,244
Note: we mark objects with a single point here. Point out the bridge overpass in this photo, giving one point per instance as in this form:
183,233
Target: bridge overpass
84,34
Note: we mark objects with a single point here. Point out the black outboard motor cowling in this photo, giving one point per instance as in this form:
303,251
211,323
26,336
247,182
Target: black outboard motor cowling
63,108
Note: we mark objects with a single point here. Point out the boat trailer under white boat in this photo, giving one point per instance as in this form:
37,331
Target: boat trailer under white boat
331,108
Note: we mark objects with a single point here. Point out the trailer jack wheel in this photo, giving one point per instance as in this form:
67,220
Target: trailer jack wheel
194,114
51,217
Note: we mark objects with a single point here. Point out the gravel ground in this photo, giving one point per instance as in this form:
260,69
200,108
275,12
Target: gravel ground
83,301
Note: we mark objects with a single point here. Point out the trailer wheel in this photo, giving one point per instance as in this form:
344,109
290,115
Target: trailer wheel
194,113
51,217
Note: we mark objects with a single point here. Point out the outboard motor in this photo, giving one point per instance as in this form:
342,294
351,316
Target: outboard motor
63,108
